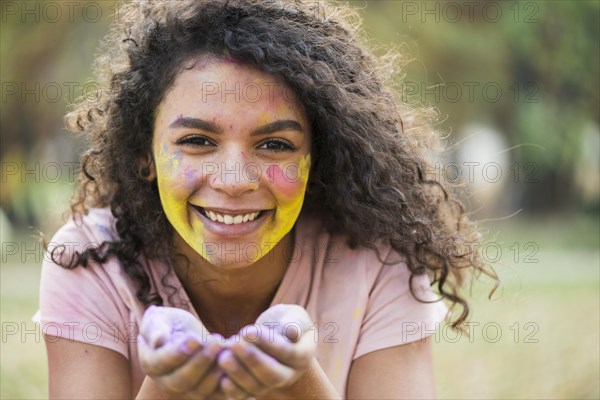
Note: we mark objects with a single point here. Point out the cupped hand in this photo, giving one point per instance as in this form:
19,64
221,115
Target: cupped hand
179,354
271,354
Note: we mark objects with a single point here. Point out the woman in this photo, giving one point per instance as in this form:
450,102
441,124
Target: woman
249,169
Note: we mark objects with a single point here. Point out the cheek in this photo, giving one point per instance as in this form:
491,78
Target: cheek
291,179
286,181
174,176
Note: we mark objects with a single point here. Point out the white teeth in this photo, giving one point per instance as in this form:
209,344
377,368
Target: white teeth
231,219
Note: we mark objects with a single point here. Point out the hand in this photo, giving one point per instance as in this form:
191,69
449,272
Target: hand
271,354
177,352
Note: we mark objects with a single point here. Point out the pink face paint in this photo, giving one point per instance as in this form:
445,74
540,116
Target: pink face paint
229,59
278,178
201,64
243,154
180,116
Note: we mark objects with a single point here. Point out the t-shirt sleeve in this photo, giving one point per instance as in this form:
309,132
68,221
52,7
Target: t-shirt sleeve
82,304
393,316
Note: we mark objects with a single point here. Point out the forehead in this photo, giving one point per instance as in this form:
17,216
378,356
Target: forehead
223,84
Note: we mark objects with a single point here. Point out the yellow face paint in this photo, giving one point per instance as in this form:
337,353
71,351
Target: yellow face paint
171,181
290,181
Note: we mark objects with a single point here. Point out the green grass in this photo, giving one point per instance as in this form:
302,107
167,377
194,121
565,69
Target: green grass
548,312
548,309
549,348
23,369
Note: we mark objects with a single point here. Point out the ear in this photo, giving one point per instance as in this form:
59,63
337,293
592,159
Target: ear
147,168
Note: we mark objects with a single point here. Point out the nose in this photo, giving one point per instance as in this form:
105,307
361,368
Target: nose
235,177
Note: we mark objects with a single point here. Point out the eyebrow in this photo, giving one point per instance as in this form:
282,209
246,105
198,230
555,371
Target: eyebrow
197,123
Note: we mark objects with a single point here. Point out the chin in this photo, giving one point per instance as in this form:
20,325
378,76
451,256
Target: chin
230,264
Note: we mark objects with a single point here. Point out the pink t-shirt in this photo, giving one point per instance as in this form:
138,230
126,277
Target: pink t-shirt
358,304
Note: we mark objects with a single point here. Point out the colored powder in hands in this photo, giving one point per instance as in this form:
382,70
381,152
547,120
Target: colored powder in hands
167,324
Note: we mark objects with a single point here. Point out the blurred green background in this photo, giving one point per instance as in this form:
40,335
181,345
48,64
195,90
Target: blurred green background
517,88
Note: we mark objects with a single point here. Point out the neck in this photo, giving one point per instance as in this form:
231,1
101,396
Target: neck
226,299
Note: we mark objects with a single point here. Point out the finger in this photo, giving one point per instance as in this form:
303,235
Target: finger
304,350
161,323
209,385
286,316
154,327
236,371
295,355
266,370
163,360
295,322
205,390
231,390
191,374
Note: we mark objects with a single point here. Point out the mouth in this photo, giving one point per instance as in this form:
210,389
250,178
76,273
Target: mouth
231,217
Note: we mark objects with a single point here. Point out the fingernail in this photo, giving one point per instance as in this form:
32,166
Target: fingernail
158,341
209,350
190,345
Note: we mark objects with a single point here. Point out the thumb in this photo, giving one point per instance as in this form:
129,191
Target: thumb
155,329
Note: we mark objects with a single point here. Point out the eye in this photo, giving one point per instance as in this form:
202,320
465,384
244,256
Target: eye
277,145
195,141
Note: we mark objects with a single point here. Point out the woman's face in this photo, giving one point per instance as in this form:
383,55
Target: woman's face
231,151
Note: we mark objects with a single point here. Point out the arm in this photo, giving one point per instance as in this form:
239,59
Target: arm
84,371
313,384
399,372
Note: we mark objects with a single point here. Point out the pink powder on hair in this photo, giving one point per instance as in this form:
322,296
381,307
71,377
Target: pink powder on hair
229,59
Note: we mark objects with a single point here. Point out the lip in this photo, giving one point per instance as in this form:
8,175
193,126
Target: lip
233,230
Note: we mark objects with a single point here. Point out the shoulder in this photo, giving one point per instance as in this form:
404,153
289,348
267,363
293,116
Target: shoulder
334,252
375,280
86,230
65,285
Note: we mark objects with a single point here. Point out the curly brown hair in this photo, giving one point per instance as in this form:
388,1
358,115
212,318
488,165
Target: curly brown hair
367,144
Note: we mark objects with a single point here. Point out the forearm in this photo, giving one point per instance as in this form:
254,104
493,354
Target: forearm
150,390
313,384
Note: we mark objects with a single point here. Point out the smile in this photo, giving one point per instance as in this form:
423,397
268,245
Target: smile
231,217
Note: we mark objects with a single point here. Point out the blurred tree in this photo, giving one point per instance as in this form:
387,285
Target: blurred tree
46,52
543,56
